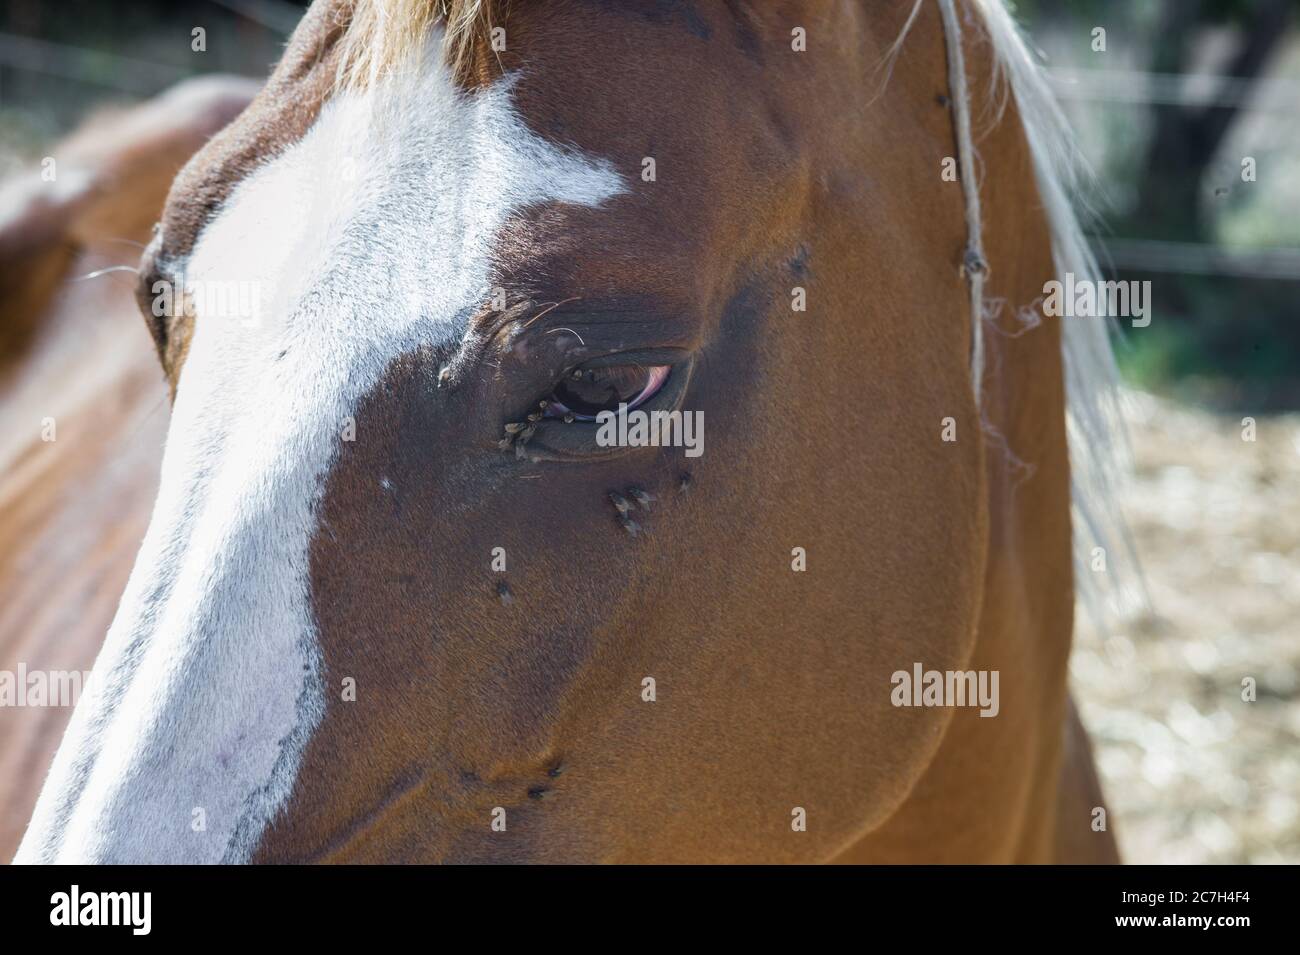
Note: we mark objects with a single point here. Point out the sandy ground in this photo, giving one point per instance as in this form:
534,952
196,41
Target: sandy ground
1192,772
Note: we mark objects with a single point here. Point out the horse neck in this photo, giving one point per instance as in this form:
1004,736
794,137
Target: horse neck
993,789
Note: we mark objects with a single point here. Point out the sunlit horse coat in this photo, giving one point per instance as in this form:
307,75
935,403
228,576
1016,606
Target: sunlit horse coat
390,605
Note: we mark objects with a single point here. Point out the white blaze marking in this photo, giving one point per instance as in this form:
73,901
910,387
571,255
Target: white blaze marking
369,238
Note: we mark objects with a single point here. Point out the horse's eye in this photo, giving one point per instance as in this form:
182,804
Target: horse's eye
587,392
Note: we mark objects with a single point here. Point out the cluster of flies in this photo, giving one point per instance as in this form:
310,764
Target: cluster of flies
519,433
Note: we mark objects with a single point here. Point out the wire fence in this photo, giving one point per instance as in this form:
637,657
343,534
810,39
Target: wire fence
276,15
1186,90
1176,89
96,67
1189,258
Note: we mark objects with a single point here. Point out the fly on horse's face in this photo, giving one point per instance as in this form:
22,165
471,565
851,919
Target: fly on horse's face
363,627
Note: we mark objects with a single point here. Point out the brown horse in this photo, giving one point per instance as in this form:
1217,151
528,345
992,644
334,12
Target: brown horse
401,598
83,410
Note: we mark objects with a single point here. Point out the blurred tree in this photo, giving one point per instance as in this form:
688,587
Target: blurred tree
1230,339
1187,137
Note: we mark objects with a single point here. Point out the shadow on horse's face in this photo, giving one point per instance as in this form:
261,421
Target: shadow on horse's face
372,623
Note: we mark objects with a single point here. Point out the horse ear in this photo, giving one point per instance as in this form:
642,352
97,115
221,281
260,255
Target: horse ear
105,183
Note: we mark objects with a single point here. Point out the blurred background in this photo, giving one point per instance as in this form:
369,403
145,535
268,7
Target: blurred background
1182,94
1168,104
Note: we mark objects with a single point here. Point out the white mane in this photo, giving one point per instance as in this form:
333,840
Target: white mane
1098,443
1094,421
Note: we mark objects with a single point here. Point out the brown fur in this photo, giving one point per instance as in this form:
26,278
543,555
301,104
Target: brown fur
73,511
